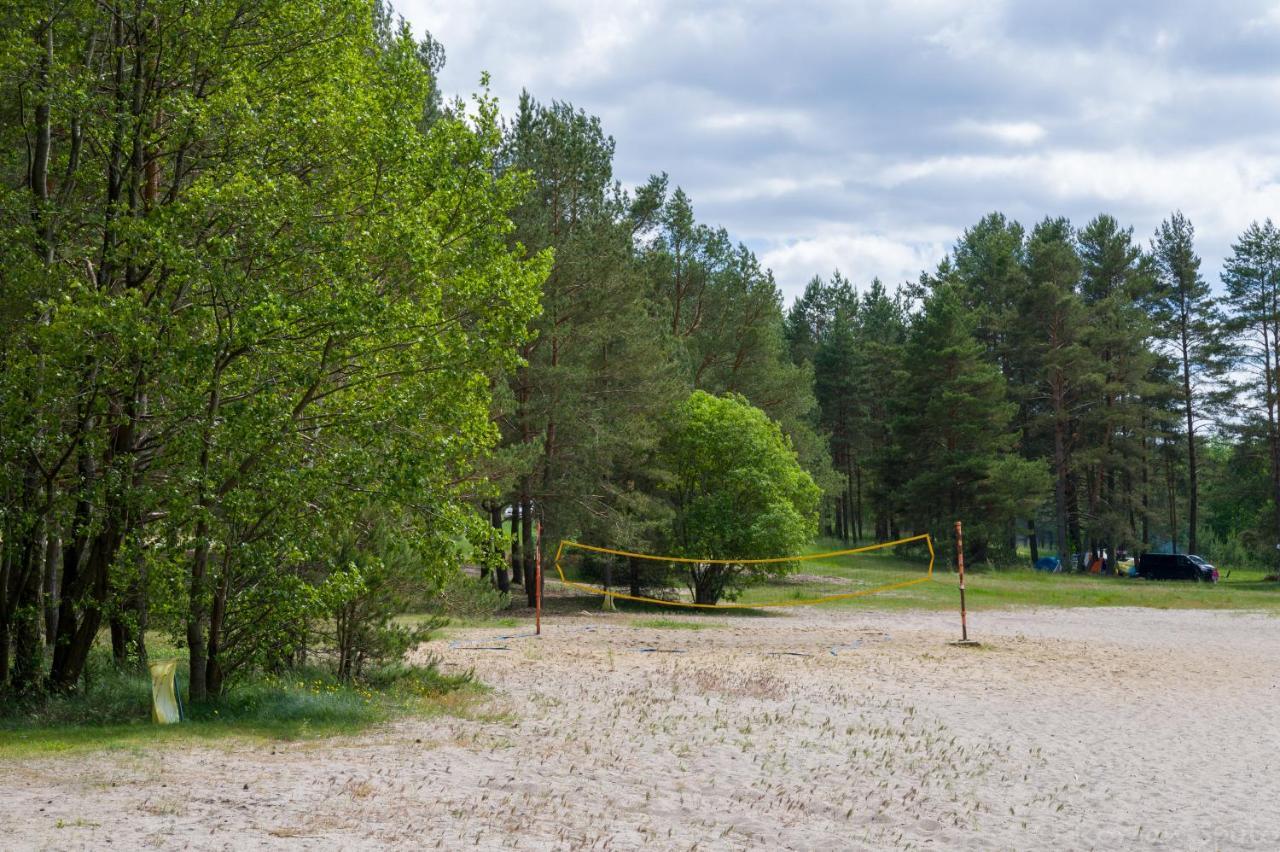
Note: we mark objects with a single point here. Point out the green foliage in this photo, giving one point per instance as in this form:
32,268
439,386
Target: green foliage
953,452
739,492
856,342
464,596
115,707
724,312
1189,321
600,368
376,576
258,291
1252,280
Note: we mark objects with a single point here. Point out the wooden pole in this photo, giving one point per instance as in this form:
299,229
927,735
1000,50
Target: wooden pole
964,625
538,580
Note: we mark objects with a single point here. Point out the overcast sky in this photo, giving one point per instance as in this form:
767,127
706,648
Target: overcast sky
866,136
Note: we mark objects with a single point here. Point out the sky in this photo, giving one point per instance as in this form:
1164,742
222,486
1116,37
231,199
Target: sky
866,136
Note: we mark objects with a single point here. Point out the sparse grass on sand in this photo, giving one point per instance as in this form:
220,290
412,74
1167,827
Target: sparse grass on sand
669,624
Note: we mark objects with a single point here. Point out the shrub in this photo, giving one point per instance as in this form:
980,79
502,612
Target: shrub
465,596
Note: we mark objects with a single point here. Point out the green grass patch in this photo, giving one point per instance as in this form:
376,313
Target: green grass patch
1007,588
114,710
987,588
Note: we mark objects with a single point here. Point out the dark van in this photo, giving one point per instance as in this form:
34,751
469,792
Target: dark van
1176,566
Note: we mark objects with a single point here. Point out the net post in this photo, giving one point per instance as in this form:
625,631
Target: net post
537,562
964,620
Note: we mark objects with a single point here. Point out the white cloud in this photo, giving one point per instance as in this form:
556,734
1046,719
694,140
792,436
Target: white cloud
740,120
1007,132
858,255
1221,188
866,135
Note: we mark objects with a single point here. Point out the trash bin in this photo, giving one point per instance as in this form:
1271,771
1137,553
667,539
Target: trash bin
166,706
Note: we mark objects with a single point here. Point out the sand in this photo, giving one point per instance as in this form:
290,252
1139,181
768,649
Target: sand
814,729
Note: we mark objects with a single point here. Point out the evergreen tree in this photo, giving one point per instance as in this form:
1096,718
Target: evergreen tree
600,367
952,436
725,313
1115,281
1059,367
1252,279
1191,329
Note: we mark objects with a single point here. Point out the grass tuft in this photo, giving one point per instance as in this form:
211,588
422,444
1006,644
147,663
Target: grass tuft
670,624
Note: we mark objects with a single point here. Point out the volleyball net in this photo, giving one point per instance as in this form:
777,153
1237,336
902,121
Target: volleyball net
782,581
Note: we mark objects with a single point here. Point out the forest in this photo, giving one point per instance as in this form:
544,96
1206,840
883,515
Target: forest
287,338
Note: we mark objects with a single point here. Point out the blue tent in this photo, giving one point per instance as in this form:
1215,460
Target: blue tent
1048,563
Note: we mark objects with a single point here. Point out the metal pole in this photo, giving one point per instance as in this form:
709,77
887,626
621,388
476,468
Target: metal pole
964,626
538,580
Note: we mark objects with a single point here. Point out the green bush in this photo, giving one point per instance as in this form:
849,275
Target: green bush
464,596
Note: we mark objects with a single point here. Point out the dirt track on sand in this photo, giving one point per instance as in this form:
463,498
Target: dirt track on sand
816,729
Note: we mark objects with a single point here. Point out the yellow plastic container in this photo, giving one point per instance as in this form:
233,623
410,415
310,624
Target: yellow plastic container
166,706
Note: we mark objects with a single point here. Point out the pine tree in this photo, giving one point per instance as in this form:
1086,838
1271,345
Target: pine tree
1252,279
1059,366
840,402
724,311
1115,279
601,366
1191,328
952,435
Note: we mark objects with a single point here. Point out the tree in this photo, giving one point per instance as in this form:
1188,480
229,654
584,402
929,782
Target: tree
1059,368
257,294
1252,279
951,431
989,262
738,492
1115,283
1191,327
724,312
601,364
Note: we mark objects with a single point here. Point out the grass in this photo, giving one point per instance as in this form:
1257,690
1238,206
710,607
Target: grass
668,624
1020,587
114,711
985,588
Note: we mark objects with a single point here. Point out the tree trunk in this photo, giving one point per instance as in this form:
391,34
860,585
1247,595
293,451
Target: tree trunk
214,672
1273,411
517,563
633,564
857,510
708,584
196,640
84,595
1032,541
120,639
26,624
1074,532
495,521
1060,491
1192,485
1146,491
53,549
526,526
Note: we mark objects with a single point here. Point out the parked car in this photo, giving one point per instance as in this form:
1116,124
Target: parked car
1176,566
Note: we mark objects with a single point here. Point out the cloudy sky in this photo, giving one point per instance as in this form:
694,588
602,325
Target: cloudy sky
865,135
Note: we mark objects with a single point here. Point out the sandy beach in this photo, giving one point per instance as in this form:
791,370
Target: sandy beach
813,729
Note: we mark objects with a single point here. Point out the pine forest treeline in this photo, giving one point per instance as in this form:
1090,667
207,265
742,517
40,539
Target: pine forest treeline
286,338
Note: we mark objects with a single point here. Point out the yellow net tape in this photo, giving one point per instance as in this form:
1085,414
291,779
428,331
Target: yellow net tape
774,560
